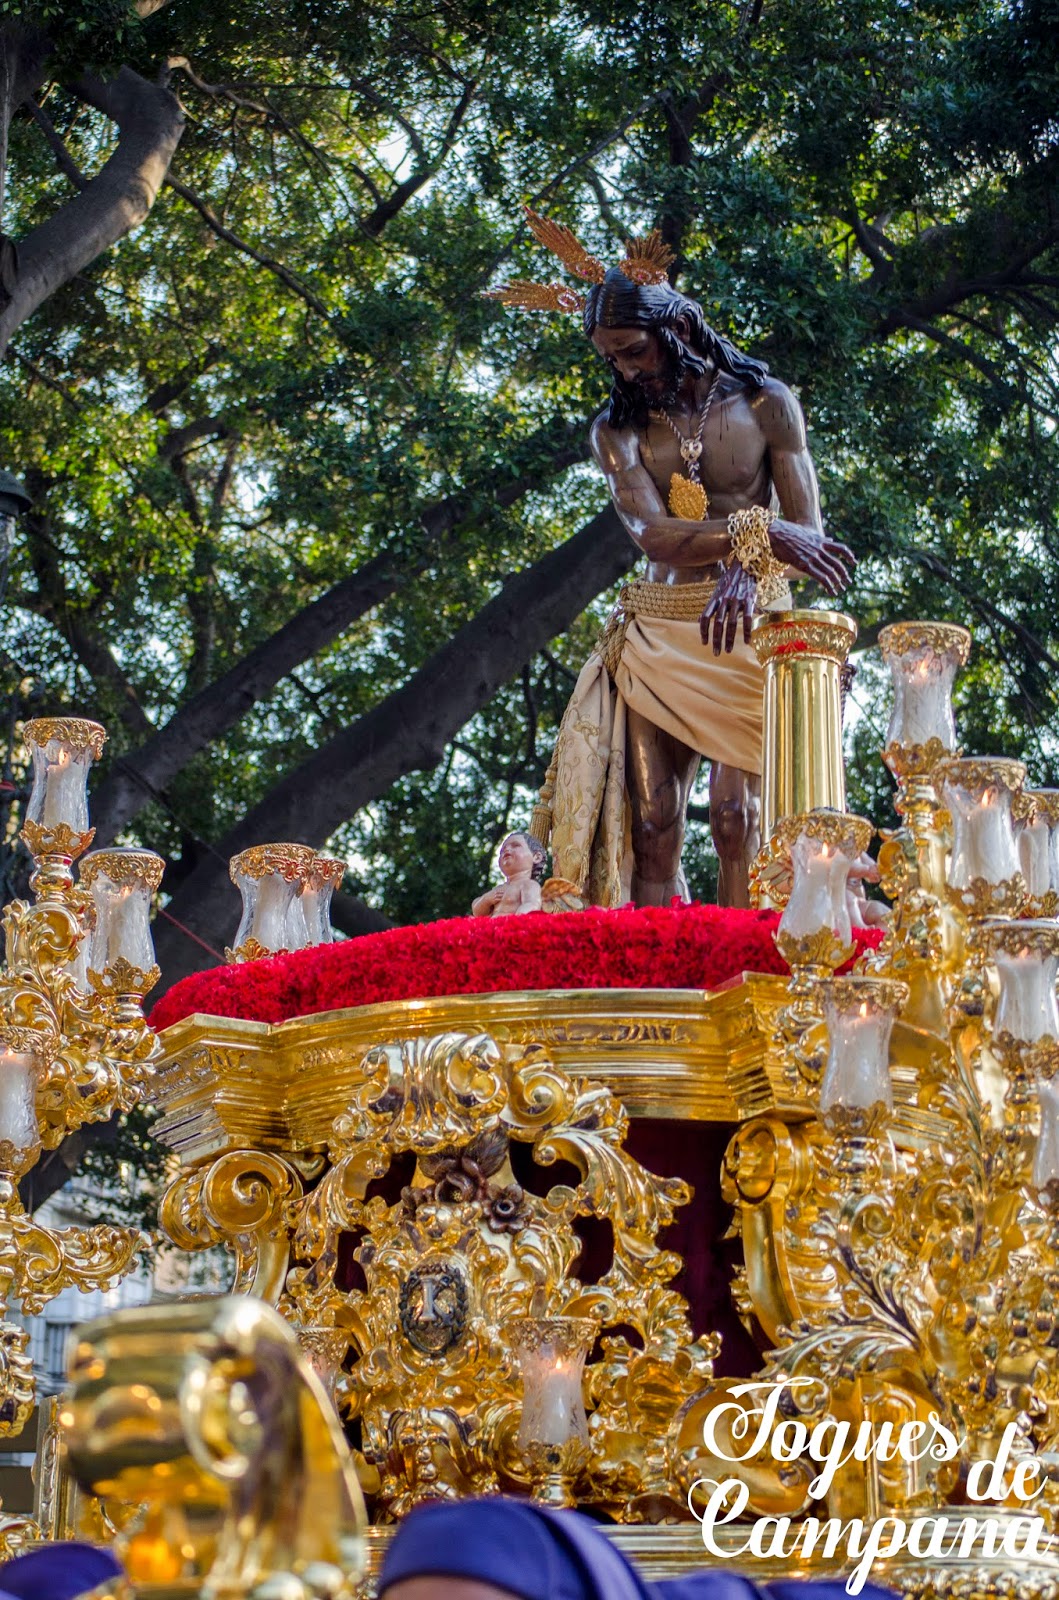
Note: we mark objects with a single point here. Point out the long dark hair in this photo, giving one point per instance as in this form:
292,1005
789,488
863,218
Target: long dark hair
618,302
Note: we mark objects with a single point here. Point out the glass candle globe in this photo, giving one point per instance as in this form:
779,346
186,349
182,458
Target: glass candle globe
1037,832
268,877
1032,838
551,1354
1046,1151
922,658
121,884
1026,957
823,845
63,750
20,1071
979,791
859,1014
309,919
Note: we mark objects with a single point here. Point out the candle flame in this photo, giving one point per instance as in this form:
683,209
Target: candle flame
864,1008
988,796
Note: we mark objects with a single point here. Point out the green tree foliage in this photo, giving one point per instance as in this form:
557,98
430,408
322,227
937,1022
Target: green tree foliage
287,462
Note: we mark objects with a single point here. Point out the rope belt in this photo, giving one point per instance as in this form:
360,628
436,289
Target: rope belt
676,602
679,602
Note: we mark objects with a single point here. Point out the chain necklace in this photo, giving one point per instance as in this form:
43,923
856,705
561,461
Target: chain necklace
687,497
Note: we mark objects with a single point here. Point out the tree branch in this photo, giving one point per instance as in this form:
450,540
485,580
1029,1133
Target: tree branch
956,347
179,440
354,917
408,730
284,274
954,288
374,223
116,200
139,776
52,601
64,160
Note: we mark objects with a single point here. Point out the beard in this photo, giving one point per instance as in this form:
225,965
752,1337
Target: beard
632,403
663,391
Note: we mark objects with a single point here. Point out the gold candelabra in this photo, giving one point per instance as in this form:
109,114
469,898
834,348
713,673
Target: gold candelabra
894,1176
74,1045
915,1233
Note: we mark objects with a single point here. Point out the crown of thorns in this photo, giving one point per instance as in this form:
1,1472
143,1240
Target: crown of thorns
646,260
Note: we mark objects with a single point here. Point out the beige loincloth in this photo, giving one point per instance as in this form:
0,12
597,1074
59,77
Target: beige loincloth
650,657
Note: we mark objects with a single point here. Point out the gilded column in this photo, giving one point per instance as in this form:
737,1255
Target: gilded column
803,653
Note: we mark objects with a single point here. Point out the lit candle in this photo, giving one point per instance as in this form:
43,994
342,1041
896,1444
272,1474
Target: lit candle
859,1013
1046,1153
978,791
63,749
1026,956
1038,839
1034,841
19,1072
121,884
551,1353
823,846
923,658
922,708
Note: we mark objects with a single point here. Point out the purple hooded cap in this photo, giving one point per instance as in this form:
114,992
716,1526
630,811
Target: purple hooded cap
536,1554
515,1546
57,1572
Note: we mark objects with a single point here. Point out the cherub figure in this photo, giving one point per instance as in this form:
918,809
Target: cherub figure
865,913
523,861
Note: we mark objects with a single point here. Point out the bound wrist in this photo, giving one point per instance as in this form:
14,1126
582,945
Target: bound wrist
748,529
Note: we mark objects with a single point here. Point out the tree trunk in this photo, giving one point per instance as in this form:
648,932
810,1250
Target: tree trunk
406,732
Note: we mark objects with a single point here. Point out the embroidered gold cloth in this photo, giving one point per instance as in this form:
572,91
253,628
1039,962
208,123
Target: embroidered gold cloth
651,657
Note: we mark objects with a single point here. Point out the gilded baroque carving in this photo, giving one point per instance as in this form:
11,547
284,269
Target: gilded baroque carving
463,1250
291,861
78,732
241,1199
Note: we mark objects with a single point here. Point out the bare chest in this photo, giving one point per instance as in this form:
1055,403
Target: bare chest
734,462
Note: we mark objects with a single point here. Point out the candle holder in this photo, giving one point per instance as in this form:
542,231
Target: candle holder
553,1433
984,876
856,1092
1036,813
308,920
1045,1172
815,934
20,1073
923,658
74,1044
1024,1036
119,956
56,828
268,876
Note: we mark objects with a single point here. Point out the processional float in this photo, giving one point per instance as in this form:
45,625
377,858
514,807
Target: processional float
404,1189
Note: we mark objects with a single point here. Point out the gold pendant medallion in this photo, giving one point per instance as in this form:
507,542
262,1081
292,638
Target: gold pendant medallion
687,499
